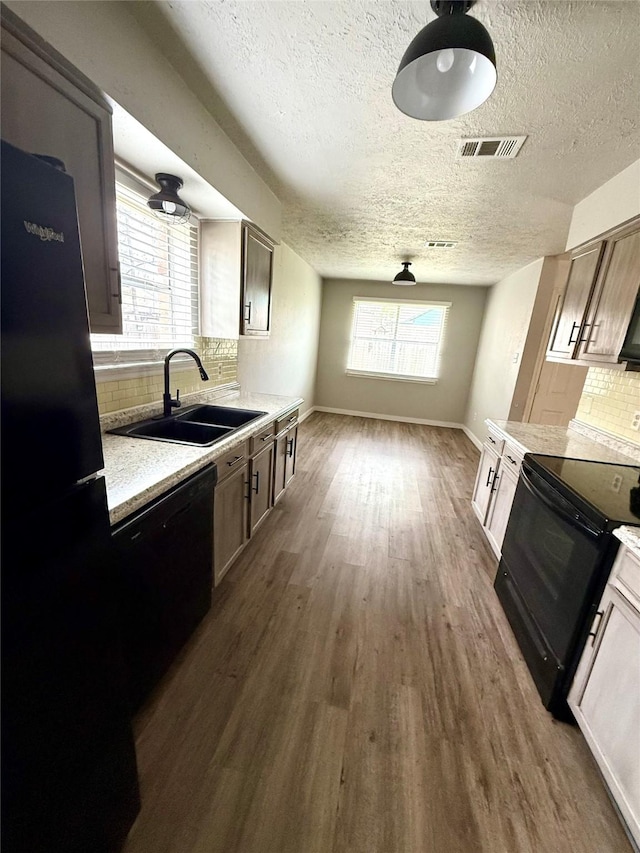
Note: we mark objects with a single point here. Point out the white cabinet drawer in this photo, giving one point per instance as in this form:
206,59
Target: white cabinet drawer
494,440
512,457
625,576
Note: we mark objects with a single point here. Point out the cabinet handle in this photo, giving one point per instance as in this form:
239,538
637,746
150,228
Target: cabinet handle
492,440
291,420
118,292
267,437
573,328
496,477
247,312
594,633
289,447
586,339
491,472
235,461
513,461
256,488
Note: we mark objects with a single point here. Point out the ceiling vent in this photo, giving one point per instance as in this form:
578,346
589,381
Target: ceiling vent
495,147
440,244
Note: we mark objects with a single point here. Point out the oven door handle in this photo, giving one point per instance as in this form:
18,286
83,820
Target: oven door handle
572,519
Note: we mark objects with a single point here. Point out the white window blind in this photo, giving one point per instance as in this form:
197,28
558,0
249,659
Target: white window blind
159,284
397,339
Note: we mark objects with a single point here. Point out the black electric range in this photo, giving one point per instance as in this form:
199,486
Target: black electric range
556,557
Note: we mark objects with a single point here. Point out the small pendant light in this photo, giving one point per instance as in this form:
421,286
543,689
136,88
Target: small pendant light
449,68
404,276
167,204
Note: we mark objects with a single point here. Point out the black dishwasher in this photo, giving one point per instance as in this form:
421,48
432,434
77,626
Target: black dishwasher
164,557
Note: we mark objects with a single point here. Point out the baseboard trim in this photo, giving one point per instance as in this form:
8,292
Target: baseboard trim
397,418
309,411
472,438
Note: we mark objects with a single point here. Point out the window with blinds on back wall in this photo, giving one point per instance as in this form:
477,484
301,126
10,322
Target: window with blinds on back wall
397,339
159,284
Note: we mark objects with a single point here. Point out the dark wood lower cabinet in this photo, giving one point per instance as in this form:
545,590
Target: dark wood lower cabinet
260,480
285,461
230,520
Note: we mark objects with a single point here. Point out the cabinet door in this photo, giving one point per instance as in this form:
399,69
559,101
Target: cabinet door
291,447
503,489
260,486
571,309
230,512
50,108
257,275
607,703
279,466
220,276
484,481
613,300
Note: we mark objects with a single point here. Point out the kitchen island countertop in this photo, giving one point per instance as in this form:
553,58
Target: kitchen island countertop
138,470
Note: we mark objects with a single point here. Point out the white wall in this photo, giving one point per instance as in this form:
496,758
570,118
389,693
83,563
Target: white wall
105,42
285,362
443,402
504,332
608,206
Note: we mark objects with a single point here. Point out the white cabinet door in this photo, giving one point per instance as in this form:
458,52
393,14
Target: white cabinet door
605,698
484,481
504,489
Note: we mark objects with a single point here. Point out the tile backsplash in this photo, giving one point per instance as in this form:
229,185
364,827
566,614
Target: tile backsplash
609,400
219,356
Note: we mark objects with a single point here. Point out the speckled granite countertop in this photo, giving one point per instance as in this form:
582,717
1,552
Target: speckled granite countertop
629,536
558,441
138,470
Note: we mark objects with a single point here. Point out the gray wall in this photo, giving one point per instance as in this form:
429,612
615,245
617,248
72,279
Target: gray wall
443,402
285,362
504,333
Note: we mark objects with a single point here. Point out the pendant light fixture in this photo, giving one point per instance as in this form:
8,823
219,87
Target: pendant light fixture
404,276
167,204
449,68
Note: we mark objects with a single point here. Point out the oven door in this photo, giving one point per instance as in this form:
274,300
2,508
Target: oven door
551,557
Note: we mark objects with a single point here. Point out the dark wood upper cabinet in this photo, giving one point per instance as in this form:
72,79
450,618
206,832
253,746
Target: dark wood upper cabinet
613,299
583,270
597,304
49,107
257,277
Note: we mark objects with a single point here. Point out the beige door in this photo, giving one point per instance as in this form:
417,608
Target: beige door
558,393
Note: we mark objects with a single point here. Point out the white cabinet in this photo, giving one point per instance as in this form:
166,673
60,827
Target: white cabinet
495,486
504,489
605,695
487,470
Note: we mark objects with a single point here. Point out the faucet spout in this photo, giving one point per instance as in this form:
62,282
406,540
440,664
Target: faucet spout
167,400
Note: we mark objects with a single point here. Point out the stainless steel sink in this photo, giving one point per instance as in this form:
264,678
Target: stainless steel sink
201,426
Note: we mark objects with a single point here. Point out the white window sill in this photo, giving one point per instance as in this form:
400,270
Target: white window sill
424,380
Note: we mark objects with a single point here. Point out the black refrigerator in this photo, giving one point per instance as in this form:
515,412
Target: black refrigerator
69,781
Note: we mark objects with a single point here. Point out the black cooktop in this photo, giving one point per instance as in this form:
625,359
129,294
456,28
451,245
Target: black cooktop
611,491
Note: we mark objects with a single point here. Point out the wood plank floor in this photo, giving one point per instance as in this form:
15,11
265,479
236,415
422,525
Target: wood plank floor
356,687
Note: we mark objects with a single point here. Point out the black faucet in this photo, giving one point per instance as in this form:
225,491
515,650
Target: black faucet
167,400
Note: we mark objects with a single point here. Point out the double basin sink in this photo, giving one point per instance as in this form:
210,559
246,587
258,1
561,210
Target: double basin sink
201,426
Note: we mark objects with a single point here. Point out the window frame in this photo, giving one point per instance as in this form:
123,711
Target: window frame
129,363
399,377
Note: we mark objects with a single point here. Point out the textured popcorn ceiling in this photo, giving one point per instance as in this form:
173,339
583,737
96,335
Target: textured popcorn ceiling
304,90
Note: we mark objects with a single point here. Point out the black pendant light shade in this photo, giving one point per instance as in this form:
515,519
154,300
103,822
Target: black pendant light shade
167,204
449,68
404,276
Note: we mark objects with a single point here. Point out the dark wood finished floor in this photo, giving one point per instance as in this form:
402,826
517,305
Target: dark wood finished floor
356,687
